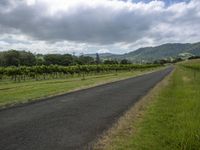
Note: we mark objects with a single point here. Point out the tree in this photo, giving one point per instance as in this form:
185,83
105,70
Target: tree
125,61
58,59
67,60
27,58
98,61
16,58
85,60
2,59
110,62
11,58
40,59
53,59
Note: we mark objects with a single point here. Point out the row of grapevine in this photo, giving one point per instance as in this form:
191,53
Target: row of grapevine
55,71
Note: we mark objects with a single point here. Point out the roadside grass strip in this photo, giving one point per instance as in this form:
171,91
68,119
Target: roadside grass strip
170,122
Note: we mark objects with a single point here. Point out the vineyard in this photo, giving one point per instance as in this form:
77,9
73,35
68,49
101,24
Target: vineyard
44,72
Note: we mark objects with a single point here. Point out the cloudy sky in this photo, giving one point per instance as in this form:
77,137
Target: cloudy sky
89,26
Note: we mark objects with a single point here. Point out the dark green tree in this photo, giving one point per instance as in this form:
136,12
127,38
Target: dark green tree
26,58
98,60
110,62
125,61
11,58
85,60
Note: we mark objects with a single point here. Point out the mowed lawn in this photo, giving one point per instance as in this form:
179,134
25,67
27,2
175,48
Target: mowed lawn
20,92
170,122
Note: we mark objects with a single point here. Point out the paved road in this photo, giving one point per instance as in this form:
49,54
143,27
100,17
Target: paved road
73,120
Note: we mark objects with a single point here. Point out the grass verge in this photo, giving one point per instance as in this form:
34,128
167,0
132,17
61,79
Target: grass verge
168,118
12,93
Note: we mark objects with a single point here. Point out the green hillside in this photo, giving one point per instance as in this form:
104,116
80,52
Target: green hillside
158,52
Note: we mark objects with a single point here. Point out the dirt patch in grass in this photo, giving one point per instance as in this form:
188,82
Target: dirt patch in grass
186,79
126,125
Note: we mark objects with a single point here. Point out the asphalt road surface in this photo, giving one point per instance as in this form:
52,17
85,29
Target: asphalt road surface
73,120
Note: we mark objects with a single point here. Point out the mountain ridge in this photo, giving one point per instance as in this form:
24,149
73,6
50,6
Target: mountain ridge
154,53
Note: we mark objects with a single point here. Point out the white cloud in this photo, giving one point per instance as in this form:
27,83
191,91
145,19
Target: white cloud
91,25
103,51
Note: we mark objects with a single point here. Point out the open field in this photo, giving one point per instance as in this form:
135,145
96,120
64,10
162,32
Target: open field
170,122
18,92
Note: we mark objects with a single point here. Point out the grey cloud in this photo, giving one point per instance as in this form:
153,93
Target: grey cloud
101,24
4,2
92,25
15,41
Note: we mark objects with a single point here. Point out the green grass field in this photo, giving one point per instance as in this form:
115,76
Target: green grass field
20,92
171,121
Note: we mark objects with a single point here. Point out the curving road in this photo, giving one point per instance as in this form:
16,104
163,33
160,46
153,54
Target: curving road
73,120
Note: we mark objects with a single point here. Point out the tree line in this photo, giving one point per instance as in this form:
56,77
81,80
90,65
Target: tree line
23,58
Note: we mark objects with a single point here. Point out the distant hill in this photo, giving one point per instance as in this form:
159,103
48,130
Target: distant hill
102,55
155,53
